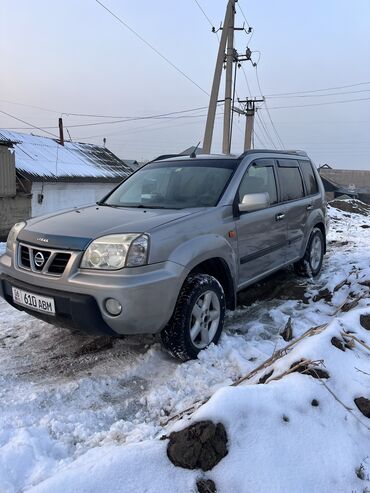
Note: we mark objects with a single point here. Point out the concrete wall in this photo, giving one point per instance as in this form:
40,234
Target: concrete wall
13,210
58,196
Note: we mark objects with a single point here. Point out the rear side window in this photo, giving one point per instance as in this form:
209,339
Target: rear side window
309,177
260,177
290,180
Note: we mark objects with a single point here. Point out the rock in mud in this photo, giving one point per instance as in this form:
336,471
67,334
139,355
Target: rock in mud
287,333
199,446
365,321
323,294
206,486
337,343
363,405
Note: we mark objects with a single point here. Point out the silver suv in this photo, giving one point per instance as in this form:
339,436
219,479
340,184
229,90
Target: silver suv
168,249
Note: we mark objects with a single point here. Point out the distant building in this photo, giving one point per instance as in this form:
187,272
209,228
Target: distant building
38,175
353,183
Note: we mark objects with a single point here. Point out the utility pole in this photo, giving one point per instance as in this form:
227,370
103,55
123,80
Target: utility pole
61,133
229,15
250,110
229,82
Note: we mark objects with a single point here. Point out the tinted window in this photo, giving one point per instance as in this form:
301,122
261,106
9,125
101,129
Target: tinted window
309,177
260,177
290,180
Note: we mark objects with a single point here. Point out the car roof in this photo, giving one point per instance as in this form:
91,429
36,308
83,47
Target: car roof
181,157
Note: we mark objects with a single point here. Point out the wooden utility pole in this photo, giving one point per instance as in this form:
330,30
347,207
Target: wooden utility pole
208,134
61,133
250,110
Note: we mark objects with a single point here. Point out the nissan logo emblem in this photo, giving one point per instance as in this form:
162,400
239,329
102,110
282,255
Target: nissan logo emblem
39,259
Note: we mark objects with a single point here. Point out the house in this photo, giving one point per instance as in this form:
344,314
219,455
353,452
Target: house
353,183
38,175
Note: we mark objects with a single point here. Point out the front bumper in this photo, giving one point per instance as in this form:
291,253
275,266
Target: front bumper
147,294
73,311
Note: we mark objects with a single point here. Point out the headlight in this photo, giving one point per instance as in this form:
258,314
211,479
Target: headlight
114,252
12,236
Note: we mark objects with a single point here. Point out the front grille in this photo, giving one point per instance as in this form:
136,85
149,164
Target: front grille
59,263
25,257
50,262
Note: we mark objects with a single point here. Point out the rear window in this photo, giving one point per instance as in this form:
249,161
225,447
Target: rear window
309,177
290,180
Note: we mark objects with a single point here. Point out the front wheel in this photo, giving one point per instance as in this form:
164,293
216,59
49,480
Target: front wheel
198,317
311,263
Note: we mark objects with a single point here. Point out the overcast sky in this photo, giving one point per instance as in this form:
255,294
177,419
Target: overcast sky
74,57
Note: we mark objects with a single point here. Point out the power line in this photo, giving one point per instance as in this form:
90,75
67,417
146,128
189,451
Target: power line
244,16
268,111
263,125
318,95
30,106
204,13
137,117
318,90
151,47
319,104
26,123
172,115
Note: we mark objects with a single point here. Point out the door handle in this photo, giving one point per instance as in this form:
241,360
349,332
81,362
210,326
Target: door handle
279,216
309,207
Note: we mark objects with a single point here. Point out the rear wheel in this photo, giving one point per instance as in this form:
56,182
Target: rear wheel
311,263
198,317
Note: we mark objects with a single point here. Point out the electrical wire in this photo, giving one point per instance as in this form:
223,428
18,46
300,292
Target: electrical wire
204,13
29,124
318,95
244,16
170,116
264,127
268,111
319,104
151,47
318,90
30,106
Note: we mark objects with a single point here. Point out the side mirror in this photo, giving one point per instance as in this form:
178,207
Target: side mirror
254,202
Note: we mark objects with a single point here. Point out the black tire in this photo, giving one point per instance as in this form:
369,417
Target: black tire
305,267
176,336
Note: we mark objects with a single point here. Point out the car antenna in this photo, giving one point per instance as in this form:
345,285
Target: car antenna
194,152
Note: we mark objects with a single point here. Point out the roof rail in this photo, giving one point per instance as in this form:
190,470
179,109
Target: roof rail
164,156
273,151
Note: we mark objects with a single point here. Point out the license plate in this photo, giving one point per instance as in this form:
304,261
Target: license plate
33,301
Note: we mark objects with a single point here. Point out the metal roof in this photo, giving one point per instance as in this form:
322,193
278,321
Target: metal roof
347,178
44,159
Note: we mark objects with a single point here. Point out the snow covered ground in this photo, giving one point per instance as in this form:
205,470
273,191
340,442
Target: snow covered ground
80,414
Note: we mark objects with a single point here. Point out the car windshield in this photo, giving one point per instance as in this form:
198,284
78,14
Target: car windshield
174,185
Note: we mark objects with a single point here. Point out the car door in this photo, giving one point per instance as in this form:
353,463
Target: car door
262,234
296,205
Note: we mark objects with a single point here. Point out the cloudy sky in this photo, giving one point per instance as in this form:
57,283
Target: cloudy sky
73,58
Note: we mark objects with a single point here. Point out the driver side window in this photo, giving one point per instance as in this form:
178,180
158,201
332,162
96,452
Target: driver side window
260,177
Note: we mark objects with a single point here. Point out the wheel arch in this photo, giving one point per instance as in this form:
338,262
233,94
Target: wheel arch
218,268
320,225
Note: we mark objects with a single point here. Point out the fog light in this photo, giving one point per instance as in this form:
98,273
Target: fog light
113,306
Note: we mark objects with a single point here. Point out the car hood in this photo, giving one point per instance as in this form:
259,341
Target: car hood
76,228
